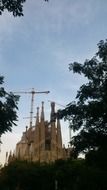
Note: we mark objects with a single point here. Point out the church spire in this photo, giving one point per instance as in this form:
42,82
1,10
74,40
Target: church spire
53,129
59,136
52,112
42,112
37,116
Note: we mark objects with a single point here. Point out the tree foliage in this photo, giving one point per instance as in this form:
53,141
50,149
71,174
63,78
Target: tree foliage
14,6
61,175
88,114
8,108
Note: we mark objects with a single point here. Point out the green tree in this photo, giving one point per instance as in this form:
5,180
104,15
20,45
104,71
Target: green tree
61,175
88,114
14,6
8,108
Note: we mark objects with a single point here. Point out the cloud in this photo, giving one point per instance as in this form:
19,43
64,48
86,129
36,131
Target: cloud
35,50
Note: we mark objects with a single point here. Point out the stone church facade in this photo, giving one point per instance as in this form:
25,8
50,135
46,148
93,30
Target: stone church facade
42,142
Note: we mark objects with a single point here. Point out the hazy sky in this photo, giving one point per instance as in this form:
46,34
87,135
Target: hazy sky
36,50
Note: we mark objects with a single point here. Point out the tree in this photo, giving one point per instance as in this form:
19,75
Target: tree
14,6
8,108
88,114
63,174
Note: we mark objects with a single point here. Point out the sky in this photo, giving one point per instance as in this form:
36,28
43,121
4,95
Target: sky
35,52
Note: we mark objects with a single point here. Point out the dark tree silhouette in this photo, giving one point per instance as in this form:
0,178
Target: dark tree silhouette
8,108
64,175
14,6
89,112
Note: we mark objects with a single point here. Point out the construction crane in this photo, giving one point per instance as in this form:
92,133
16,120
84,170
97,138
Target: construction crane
28,117
57,103
32,92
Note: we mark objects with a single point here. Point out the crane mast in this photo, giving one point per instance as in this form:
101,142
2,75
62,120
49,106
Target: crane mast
31,111
32,92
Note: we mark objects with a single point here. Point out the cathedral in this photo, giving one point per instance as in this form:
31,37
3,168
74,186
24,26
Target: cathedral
43,141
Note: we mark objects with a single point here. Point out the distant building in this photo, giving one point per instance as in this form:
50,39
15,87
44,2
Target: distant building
42,142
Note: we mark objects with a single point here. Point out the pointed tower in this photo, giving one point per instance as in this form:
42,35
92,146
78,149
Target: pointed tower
42,112
53,131
42,133
37,117
59,140
36,149
59,136
52,117
37,131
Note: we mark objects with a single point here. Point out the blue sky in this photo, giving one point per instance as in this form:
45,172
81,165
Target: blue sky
35,51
